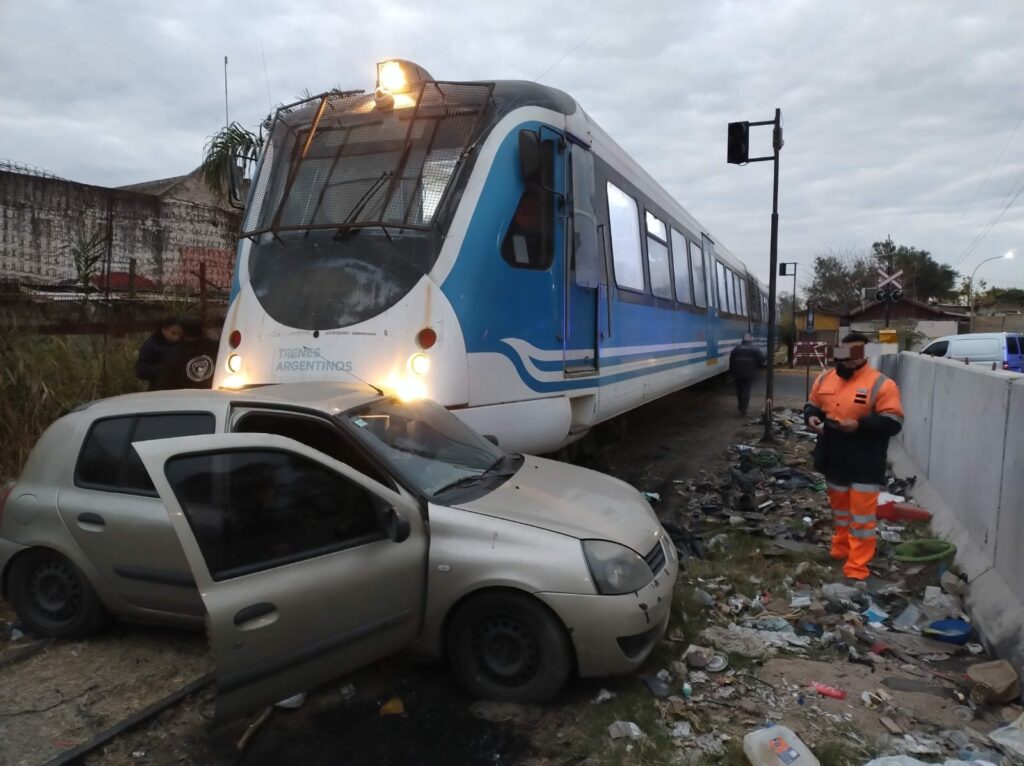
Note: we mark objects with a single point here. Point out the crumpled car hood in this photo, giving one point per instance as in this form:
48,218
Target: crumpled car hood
573,501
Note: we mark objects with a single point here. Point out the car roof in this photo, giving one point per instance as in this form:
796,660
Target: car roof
325,396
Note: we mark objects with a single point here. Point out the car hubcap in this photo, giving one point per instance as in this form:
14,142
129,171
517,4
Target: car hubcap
56,592
506,651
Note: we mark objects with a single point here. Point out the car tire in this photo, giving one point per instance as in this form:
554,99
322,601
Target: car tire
52,597
509,647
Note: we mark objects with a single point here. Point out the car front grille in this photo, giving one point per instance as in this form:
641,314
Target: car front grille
655,558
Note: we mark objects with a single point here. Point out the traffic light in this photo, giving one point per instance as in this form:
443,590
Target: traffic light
739,143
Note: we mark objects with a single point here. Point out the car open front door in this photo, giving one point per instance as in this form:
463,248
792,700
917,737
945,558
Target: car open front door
307,568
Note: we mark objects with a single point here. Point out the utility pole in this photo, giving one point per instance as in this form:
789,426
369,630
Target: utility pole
226,121
737,154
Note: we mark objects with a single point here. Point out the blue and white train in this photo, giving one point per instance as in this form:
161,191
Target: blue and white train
482,243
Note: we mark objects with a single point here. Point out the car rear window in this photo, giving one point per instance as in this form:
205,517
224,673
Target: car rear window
1013,344
109,462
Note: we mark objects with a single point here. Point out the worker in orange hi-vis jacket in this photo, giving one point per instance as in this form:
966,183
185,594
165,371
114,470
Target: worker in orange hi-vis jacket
855,409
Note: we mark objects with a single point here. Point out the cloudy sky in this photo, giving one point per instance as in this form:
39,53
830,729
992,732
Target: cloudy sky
900,117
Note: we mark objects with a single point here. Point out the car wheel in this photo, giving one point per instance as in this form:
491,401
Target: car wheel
509,647
52,597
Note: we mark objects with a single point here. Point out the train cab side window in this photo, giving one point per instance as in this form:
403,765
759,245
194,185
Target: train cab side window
528,244
697,266
625,230
657,257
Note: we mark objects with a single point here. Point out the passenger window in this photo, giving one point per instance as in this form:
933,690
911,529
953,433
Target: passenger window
1013,344
723,287
314,433
625,231
681,266
697,264
252,510
108,460
528,242
657,257
937,349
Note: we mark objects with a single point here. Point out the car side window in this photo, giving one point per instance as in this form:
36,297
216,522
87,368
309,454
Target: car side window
108,461
252,510
314,433
937,349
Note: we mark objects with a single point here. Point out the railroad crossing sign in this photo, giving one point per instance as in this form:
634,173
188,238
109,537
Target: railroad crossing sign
889,286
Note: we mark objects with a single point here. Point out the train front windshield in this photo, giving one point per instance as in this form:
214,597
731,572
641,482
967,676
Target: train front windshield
345,213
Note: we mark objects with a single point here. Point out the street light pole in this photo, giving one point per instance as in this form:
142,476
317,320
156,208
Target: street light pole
738,154
970,285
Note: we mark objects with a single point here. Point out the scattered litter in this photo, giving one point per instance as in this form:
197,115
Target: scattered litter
953,584
16,634
292,703
994,682
652,497
963,713
827,691
974,648
603,696
748,642
626,729
680,729
657,687
950,631
1011,737
718,663
777,745
907,620
800,602
891,726
393,706
697,657
710,744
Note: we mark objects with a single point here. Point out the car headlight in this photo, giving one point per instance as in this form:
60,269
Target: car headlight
615,568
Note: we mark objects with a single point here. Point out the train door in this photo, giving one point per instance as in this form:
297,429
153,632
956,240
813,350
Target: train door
582,264
708,253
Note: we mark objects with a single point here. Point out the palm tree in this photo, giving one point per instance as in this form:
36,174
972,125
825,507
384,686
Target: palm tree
230,142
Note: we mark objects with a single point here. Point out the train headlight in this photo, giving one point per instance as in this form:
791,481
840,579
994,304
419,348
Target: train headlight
391,77
233,382
234,364
419,364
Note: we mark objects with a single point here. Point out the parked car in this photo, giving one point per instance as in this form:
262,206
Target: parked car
1006,349
317,527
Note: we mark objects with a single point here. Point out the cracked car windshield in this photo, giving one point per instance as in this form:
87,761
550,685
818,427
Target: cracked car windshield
425,443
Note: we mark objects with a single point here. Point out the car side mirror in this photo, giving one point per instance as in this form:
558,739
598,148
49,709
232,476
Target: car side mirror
236,181
530,156
396,526
492,439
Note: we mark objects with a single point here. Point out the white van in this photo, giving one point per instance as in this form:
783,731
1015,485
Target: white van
1003,348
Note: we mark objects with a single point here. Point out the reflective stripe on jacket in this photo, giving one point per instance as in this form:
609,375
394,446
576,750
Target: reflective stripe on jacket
873,400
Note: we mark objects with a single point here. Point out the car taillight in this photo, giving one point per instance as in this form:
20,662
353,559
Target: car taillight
1006,365
5,493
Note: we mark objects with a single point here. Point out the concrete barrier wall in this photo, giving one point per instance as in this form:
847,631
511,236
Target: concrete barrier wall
964,431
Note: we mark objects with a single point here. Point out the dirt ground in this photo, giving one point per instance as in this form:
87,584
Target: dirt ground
68,692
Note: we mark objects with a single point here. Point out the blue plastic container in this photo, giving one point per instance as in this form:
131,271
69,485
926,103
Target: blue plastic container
950,631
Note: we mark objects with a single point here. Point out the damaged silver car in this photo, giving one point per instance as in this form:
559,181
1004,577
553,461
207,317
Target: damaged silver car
315,528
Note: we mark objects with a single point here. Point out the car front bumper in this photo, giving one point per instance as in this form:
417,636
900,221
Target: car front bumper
614,634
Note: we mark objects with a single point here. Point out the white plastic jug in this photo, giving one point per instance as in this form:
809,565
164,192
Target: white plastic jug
777,746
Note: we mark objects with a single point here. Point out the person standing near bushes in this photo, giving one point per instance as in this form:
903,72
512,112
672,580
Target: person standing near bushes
155,348
192,363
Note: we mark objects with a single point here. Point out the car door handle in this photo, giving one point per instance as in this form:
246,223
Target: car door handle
254,612
91,518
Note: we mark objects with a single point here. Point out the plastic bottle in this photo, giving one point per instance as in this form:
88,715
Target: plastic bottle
777,746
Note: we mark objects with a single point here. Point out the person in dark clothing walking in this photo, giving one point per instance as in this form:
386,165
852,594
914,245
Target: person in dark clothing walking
155,348
743,363
192,363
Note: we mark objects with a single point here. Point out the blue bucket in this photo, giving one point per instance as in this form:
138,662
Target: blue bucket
950,631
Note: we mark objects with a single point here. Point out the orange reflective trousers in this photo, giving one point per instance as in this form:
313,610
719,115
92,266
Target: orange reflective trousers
853,513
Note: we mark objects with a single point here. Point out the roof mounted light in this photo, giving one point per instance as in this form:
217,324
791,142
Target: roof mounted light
400,76
396,79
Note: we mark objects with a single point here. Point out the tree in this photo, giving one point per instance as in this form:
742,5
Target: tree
86,252
839,278
923,279
230,142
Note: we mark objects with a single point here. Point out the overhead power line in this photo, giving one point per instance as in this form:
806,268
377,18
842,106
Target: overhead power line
992,169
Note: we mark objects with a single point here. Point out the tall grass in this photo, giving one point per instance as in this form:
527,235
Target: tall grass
44,376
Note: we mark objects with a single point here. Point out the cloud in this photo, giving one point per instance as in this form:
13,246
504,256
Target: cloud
894,112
